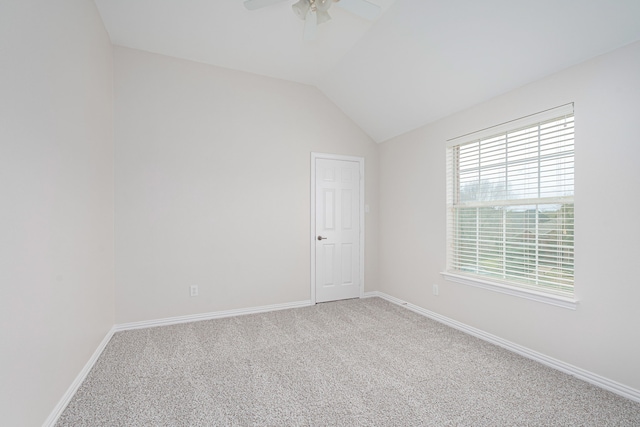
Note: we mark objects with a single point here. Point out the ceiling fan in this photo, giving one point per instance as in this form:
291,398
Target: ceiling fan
315,12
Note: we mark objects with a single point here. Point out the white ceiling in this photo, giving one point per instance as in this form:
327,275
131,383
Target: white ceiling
420,61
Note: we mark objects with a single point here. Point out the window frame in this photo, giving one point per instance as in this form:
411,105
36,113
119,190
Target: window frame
511,287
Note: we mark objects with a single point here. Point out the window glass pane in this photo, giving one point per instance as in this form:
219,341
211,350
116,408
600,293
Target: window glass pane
493,234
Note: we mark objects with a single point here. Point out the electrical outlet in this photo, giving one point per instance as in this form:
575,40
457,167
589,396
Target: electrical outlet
436,291
194,290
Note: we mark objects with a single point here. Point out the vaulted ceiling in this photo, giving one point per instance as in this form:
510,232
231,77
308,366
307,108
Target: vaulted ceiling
420,60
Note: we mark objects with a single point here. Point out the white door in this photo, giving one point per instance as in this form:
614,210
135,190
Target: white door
337,237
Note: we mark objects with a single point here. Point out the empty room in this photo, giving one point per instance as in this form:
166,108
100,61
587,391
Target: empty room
319,213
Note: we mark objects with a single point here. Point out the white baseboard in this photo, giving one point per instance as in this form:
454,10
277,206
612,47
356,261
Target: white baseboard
62,404
208,316
372,294
605,383
590,377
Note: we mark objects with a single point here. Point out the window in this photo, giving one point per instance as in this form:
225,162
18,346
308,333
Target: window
510,205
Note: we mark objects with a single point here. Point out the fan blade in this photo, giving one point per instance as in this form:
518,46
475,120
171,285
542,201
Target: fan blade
257,4
310,26
362,8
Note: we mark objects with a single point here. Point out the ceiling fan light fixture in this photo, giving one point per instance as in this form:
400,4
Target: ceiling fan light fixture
323,5
323,16
314,12
301,8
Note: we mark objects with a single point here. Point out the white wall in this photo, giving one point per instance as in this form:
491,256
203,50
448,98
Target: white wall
212,186
56,182
601,336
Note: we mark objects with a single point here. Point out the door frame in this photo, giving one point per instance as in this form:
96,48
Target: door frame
360,161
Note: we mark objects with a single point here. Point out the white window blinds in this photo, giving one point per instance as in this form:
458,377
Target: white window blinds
510,203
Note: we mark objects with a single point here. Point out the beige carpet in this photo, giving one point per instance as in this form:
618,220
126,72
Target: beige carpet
349,363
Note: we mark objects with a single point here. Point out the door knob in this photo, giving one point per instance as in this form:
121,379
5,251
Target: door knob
322,238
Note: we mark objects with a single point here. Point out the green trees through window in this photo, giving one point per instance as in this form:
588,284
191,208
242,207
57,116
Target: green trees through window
531,244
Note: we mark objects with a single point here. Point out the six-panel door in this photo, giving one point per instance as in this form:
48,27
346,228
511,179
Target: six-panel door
337,230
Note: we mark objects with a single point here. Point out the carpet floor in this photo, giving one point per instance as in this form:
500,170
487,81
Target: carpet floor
363,362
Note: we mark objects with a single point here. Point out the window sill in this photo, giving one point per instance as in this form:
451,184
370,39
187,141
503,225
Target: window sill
557,300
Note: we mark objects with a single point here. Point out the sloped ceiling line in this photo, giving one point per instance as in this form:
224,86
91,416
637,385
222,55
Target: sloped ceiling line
419,61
